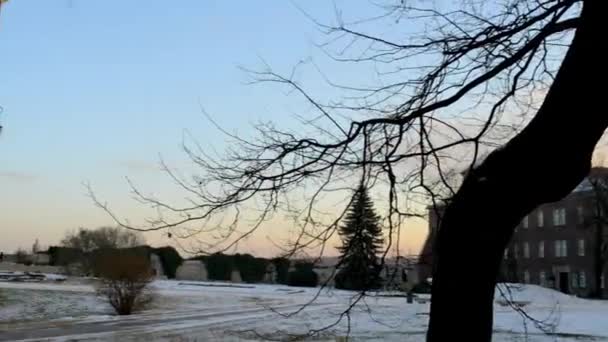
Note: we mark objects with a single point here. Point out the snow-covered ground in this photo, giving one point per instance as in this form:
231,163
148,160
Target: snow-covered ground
189,311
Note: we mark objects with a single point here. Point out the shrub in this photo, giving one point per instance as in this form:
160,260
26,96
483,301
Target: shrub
170,259
358,279
252,269
64,256
22,257
219,266
303,276
282,268
124,278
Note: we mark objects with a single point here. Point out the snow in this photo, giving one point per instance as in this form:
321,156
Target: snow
222,311
56,277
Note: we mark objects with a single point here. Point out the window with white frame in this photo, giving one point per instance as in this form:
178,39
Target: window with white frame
526,250
542,277
525,222
540,218
561,248
581,247
541,249
582,279
526,277
559,216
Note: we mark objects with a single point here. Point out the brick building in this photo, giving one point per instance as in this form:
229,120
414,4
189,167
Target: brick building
554,245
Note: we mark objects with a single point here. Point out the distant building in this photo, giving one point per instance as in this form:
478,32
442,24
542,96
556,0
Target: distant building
425,260
553,246
41,258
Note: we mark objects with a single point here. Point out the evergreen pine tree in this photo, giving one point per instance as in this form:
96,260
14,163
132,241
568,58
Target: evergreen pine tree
361,243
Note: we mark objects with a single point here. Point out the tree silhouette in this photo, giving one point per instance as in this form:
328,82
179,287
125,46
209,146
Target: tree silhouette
597,221
508,79
361,236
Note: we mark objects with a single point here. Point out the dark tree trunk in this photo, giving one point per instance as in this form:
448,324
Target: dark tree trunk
541,164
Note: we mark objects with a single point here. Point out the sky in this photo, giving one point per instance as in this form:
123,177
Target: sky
96,91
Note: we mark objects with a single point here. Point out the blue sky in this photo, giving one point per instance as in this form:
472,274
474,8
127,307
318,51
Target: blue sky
94,91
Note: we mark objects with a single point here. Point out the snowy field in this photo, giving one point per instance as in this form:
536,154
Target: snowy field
194,311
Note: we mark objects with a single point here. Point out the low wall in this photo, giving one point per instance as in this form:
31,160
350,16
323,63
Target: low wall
13,267
191,270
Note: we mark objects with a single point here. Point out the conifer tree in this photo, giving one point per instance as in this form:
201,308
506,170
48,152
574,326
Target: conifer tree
361,243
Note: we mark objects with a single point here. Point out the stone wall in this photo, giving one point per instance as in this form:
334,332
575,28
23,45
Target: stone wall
192,270
157,266
235,277
13,267
41,259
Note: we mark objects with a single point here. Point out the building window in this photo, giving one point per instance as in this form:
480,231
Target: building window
525,222
558,249
581,247
561,248
580,214
540,218
542,277
559,216
526,250
541,249
515,251
574,279
582,280
526,277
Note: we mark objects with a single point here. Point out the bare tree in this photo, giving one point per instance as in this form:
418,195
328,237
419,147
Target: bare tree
512,74
36,247
88,240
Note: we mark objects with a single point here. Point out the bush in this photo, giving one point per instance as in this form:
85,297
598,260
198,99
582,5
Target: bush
252,269
22,257
219,266
282,269
303,276
63,256
124,278
170,260
358,279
